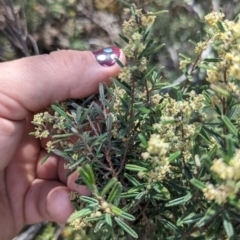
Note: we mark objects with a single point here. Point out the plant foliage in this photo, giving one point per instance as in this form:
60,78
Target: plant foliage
159,163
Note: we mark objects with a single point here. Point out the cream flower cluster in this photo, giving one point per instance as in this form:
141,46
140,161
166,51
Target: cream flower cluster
228,171
217,193
80,223
214,17
131,31
225,39
135,45
57,123
229,174
172,133
157,154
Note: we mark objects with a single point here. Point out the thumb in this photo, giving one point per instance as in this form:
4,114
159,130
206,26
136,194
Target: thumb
33,83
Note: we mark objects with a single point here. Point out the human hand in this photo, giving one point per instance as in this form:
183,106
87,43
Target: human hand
31,192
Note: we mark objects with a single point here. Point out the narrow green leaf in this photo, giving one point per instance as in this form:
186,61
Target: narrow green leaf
234,214
89,200
109,122
149,44
179,201
135,168
77,163
129,195
108,219
175,202
66,135
101,94
208,131
117,188
118,196
213,151
146,33
76,206
98,109
94,219
192,218
143,140
218,109
117,44
157,13
207,97
220,26
121,85
79,214
120,64
127,216
90,173
100,139
170,225
74,130
44,159
83,117
126,228
79,113
191,41
227,224
198,184
60,111
149,72
123,38
156,49
219,90
230,125
179,95
132,179
143,109
140,195
211,212
205,66
108,186
173,156
88,100
212,60
117,211
63,155
230,147
232,112
183,56
85,178
99,225
170,85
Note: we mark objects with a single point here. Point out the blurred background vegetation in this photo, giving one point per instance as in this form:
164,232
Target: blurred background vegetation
93,24
48,25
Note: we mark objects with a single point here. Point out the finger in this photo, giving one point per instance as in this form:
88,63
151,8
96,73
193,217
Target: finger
48,200
71,184
53,169
33,83
49,170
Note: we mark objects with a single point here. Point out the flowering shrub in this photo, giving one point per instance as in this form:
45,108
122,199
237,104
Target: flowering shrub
161,160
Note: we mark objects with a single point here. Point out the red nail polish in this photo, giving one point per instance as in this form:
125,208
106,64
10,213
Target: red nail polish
107,56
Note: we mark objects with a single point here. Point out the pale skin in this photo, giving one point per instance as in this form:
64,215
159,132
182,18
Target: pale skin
31,192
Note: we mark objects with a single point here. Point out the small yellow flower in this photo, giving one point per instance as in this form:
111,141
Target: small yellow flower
125,75
49,146
214,17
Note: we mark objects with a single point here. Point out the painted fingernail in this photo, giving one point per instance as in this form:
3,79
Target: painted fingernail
107,56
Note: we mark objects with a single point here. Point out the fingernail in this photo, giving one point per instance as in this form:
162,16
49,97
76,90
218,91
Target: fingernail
107,56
